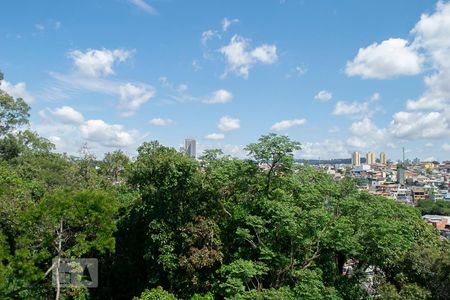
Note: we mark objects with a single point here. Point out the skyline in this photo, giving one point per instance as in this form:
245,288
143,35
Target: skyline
338,77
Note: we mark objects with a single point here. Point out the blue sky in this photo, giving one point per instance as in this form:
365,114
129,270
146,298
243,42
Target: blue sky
337,76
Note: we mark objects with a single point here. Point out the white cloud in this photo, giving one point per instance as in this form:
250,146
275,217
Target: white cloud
18,90
69,132
267,54
363,127
227,23
431,34
66,137
181,93
215,136
357,142
375,97
132,96
68,115
208,35
96,62
241,59
142,5
161,122
365,134
219,97
390,58
227,123
326,149
323,96
356,109
76,82
106,134
286,124
446,147
420,125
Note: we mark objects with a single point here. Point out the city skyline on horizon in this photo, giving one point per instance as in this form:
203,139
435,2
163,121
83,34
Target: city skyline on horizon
114,74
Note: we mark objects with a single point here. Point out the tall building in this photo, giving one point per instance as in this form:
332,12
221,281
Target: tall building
190,147
356,160
370,158
382,158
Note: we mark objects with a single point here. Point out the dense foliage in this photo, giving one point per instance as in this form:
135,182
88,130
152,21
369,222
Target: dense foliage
166,226
438,207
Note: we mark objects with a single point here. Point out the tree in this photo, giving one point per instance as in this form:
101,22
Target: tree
12,145
156,294
69,224
114,165
276,152
13,113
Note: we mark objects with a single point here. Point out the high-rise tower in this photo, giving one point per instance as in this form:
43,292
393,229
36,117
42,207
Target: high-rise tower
356,160
370,158
383,158
190,146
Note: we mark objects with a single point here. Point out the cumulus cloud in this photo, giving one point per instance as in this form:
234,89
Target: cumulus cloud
431,34
390,58
286,124
420,125
355,109
18,90
446,147
427,116
215,136
132,96
95,62
363,127
326,149
227,123
323,96
365,134
240,58
68,130
161,122
68,115
227,23
219,97
92,68
108,135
